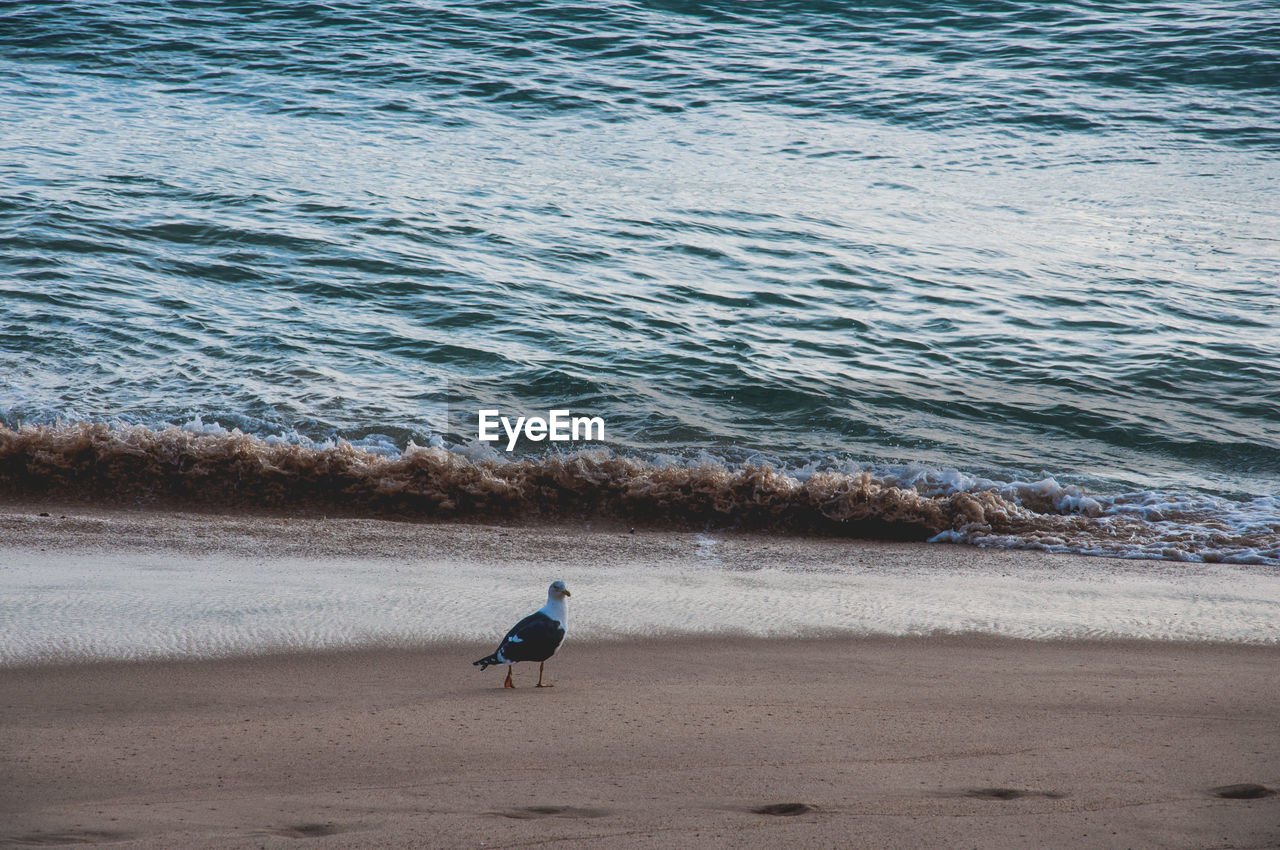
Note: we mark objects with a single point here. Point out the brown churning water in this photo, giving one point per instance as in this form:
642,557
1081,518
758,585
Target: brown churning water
172,466
94,462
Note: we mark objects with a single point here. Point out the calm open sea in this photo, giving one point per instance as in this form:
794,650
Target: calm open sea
1022,249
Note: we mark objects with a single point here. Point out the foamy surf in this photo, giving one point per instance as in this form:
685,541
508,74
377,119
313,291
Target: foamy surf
207,466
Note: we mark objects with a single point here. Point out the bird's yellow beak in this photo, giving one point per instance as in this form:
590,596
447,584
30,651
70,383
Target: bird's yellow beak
567,593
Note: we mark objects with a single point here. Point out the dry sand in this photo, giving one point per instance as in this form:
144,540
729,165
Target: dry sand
839,742
875,742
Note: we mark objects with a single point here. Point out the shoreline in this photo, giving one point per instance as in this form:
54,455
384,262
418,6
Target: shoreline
82,583
177,469
96,527
275,656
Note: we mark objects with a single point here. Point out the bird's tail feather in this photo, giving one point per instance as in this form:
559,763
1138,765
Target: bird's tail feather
487,661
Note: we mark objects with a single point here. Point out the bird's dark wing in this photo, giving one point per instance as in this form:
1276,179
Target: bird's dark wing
535,638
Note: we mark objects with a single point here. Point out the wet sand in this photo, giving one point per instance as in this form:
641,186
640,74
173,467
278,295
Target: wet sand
707,741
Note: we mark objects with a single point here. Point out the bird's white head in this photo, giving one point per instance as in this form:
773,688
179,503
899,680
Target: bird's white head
555,607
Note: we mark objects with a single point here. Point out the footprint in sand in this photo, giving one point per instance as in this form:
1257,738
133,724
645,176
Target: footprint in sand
305,830
785,810
1243,791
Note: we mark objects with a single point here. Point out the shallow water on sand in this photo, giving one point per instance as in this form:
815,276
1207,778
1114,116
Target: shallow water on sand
75,606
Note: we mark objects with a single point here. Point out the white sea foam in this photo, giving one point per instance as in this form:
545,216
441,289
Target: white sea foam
378,444
140,605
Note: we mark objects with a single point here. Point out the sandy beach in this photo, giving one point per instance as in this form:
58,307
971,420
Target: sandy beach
850,743
849,740
881,402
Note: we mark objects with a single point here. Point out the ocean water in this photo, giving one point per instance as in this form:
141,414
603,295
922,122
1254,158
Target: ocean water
1001,273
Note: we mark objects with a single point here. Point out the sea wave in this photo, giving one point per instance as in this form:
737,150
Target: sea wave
211,467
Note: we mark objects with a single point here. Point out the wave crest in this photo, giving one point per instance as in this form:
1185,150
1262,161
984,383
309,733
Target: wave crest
229,469
96,462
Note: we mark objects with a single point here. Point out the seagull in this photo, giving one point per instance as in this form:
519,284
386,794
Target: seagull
535,638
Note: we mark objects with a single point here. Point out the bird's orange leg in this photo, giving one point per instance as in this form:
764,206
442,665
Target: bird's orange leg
507,683
540,685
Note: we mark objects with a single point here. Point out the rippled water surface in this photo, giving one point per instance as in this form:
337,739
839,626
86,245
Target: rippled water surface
155,606
993,241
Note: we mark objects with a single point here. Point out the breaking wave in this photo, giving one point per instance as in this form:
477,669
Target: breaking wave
214,468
